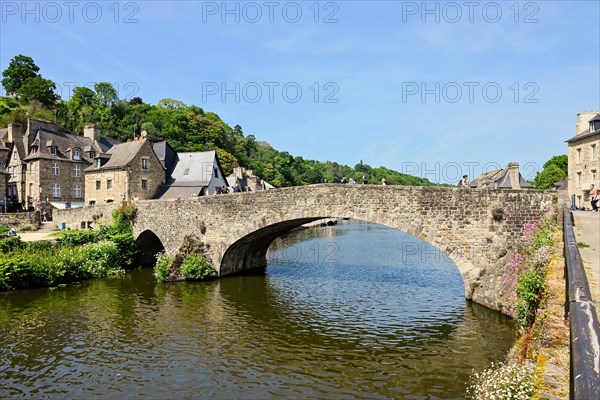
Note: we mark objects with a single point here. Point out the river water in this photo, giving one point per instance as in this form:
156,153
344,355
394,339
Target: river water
344,312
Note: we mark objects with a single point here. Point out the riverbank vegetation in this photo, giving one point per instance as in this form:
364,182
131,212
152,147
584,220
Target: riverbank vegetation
185,127
75,255
538,365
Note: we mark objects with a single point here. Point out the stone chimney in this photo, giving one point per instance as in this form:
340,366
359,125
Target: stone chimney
15,132
514,175
583,119
91,132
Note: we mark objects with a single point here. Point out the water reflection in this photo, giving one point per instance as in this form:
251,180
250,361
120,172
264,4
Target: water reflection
351,318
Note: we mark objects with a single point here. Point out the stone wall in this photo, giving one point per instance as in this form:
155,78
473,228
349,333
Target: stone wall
26,221
477,229
584,167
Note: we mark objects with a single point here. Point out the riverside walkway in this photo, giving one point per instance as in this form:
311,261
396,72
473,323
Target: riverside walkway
587,234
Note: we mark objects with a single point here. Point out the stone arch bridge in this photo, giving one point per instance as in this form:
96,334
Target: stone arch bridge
477,229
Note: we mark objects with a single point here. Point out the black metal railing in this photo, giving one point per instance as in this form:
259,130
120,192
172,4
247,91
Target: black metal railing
585,330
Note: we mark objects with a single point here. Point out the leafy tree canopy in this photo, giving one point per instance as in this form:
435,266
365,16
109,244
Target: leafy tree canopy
20,69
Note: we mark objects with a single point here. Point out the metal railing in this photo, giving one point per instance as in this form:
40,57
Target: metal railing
584,327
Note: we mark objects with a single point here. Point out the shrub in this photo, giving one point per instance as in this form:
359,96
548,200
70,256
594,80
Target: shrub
195,266
77,238
530,288
4,229
11,243
161,269
502,381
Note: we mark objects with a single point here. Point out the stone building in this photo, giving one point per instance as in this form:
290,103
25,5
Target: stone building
128,171
246,181
194,174
584,157
45,166
508,178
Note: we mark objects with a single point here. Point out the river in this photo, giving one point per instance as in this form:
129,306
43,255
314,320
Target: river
343,312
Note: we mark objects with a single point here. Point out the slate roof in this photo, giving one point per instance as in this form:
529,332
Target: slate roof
596,118
193,169
166,155
173,192
586,135
44,140
499,178
120,155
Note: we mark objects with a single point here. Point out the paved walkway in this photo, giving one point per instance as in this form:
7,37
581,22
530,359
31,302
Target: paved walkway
44,233
587,232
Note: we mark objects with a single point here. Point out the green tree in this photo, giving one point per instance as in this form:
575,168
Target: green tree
40,89
227,160
106,95
561,162
548,176
20,69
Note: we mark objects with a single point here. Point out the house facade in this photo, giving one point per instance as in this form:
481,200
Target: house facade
128,171
45,166
584,157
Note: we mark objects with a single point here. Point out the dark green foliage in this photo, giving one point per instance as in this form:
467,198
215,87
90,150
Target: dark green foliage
19,70
4,229
196,267
77,238
555,169
11,244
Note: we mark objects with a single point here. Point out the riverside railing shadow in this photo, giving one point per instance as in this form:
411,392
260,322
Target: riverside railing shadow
584,326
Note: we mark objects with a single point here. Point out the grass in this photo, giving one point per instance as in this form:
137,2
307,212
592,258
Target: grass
582,245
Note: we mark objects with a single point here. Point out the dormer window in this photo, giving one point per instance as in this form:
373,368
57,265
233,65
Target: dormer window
98,163
76,155
92,154
53,150
595,123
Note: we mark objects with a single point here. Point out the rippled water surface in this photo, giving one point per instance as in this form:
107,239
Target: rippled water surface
353,311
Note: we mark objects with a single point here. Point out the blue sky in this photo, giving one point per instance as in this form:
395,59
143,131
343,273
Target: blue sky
435,89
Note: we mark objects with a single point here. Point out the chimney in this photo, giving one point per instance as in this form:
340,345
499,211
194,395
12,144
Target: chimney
15,132
91,132
514,175
583,120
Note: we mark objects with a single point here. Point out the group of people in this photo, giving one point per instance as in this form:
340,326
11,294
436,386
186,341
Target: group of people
364,181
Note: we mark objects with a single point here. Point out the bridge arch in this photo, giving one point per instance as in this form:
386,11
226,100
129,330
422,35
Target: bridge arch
250,251
148,245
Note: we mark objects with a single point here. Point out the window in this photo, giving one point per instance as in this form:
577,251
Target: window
98,185
15,155
579,179
55,169
144,164
31,190
76,155
594,152
216,172
594,176
109,183
98,163
578,155
56,190
92,154
92,203
145,184
53,150
77,171
77,193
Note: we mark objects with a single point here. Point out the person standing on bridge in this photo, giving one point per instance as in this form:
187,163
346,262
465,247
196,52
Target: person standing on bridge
594,197
464,182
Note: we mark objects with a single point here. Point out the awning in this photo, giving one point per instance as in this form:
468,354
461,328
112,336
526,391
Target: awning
62,205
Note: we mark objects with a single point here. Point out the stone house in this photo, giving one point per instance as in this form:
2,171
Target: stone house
194,174
246,181
46,166
584,157
508,178
128,171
